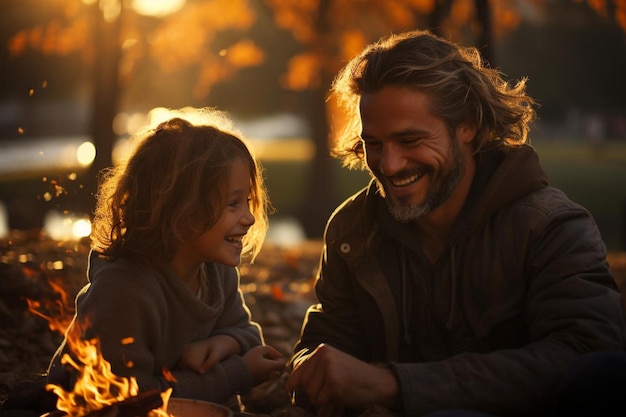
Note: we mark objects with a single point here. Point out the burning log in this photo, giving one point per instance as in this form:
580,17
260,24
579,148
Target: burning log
139,405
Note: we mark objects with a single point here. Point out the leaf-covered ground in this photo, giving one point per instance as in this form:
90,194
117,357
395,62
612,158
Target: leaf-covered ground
39,278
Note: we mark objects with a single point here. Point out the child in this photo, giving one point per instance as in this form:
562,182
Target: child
163,296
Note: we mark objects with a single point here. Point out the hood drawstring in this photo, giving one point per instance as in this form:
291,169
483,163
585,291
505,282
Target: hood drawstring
405,298
454,290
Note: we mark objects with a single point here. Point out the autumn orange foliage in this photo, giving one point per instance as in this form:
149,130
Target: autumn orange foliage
330,32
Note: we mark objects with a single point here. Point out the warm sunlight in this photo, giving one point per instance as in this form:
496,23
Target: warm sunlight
157,8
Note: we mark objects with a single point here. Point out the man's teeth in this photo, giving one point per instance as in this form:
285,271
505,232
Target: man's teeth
405,181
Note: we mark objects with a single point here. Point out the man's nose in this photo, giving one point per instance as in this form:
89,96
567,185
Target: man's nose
392,160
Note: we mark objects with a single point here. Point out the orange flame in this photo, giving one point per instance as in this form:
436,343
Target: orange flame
168,375
96,386
61,308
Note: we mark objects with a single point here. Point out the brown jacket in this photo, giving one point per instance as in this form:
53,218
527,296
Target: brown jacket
522,289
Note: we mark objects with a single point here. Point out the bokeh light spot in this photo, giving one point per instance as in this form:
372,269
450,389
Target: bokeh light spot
86,153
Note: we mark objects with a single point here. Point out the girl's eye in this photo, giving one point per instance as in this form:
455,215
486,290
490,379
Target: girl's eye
235,203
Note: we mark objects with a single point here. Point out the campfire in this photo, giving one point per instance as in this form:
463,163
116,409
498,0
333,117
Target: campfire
97,387
97,391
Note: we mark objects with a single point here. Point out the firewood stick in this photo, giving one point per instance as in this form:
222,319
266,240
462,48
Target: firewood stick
137,406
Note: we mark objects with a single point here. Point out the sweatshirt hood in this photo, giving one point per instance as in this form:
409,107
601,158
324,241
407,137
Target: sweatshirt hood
504,174
159,278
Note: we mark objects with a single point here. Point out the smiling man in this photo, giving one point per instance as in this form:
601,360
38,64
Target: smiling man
459,282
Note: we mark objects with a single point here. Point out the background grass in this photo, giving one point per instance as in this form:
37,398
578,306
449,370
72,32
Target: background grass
594,176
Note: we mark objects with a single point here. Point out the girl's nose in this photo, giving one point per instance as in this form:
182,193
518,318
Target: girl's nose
248,218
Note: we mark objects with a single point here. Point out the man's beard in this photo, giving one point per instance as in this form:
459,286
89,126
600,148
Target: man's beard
440,191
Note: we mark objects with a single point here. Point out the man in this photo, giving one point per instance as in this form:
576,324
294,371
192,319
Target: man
458,279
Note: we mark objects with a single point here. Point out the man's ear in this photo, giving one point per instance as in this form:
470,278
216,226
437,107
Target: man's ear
466,133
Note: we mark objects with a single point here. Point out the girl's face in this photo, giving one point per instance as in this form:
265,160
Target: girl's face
222,242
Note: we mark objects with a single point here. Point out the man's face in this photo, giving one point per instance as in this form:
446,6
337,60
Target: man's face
409,150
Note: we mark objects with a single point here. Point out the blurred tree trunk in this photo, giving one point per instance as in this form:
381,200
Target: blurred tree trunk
435,19
105,96
321,195
484,40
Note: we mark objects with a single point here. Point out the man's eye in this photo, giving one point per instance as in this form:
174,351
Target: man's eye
371,143
411,141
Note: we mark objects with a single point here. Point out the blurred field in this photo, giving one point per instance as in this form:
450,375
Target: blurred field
592,176
287,181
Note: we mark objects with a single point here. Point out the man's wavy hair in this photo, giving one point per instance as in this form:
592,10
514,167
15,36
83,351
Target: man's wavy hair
461,89
173,188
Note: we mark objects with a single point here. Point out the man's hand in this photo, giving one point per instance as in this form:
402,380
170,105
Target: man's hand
330,377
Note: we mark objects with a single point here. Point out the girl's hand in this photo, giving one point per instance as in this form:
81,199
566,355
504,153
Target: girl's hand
263,361
202,355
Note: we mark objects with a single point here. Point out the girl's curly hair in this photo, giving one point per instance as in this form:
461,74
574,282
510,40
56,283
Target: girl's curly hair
173,188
